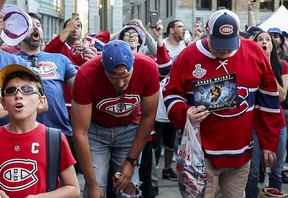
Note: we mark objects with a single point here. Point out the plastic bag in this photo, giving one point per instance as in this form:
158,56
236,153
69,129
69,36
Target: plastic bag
190,163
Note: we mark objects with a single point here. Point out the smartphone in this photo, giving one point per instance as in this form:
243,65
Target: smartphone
154,18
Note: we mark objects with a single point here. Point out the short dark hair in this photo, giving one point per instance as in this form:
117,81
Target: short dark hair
171,24
67,21
35,15
24,76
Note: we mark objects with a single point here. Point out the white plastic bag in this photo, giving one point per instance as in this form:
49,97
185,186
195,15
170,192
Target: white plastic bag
190,163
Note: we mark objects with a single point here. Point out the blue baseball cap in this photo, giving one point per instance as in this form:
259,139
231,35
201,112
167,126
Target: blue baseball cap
274,30
115,53
223,28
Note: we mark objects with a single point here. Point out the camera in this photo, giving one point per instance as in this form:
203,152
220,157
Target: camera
154,18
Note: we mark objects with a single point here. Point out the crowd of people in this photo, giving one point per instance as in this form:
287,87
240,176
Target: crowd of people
113,101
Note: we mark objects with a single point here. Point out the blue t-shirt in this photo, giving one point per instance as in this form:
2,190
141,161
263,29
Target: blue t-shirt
55,69
7,59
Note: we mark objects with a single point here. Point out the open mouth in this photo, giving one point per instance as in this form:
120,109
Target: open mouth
264,48
19,106
35,36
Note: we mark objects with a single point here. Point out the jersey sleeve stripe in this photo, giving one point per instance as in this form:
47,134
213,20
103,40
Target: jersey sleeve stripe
269,92
267,100
269,110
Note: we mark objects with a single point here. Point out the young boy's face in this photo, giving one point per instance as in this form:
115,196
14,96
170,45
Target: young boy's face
22,99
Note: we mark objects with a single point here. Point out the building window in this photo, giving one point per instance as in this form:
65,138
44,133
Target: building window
169,8
267,5
224,4
203,4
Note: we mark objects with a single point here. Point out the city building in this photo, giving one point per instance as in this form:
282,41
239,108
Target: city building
191,11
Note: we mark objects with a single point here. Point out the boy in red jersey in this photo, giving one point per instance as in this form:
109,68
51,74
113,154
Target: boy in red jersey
23,171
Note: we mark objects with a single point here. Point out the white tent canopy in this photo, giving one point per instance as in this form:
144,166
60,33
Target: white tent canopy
277,19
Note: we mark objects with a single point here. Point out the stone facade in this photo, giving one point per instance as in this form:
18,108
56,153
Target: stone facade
186,10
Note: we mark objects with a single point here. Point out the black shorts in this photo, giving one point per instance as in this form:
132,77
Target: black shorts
168,133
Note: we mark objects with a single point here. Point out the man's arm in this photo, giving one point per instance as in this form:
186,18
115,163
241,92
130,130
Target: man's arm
149,108
81,118
70,81
70,186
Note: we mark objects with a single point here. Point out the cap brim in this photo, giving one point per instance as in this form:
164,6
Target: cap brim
8,69
15,41
225,44
12,42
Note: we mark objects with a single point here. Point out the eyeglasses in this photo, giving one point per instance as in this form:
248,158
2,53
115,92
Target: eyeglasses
25,90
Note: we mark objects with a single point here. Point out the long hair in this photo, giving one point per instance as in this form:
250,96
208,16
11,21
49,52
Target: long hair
274,59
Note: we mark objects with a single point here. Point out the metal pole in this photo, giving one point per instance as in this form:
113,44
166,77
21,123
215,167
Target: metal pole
75,6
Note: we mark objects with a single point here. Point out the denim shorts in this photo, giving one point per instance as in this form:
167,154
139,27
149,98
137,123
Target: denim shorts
109,148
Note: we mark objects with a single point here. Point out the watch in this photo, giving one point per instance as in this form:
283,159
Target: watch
132,161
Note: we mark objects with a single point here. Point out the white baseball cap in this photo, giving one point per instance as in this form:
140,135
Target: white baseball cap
17,25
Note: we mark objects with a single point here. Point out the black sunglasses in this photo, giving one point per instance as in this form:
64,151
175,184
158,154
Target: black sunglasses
25,90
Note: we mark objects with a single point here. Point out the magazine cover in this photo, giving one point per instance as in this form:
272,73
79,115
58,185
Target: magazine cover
217,93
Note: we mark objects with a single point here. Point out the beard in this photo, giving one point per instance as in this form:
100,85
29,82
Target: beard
32,43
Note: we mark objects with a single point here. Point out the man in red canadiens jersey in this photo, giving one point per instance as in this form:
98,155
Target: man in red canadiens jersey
23,165
107,95
226,134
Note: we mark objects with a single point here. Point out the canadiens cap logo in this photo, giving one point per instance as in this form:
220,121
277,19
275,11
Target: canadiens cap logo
199,72
226,29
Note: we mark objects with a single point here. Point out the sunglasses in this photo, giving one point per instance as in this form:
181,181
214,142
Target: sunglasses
25,90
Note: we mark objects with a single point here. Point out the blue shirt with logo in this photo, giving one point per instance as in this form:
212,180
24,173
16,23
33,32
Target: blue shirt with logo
55,69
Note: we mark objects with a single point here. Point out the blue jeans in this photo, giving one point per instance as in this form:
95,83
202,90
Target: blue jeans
275,177
109,148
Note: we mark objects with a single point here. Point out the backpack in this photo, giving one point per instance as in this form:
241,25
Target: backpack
53,150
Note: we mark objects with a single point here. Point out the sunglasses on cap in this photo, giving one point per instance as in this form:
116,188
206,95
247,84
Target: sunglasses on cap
25,90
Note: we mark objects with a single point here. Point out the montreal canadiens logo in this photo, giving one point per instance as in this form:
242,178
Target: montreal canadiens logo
119,106
243,106
226,29
47,70
18,174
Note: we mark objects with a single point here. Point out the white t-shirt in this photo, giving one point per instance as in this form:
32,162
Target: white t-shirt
174,51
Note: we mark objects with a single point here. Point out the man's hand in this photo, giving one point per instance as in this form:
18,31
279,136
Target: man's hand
197,114
94,191
138,23
3,194
198,32
158,30
89,53
124,180
269,158
73,24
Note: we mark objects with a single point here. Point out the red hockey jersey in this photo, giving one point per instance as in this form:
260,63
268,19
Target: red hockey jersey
226,135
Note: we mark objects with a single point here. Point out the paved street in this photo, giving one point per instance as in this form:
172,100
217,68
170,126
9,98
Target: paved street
169,189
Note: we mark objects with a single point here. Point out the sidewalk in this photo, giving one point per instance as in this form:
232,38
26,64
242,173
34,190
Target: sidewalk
169,189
